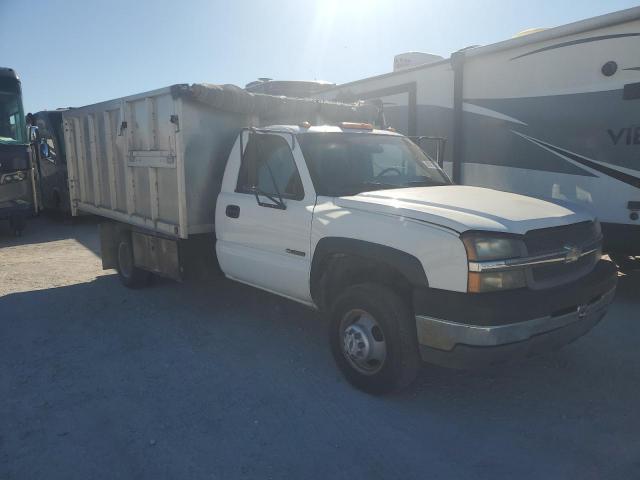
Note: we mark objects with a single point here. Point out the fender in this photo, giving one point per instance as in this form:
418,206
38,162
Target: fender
403,262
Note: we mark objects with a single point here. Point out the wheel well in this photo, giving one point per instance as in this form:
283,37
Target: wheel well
339,262
339,271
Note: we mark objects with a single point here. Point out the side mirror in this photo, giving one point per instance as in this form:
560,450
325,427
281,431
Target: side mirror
44,150
273,202
33,133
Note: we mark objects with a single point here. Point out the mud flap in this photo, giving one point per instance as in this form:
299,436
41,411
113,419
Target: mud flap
156,254
109,235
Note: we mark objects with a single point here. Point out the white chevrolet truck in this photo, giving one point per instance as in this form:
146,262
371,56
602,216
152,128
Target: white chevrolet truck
353,221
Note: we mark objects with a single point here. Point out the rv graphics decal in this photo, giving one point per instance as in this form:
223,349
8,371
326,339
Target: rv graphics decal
578,42
627,135
587,162
601,126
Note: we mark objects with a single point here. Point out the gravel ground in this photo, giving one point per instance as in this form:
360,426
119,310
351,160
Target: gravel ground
218,380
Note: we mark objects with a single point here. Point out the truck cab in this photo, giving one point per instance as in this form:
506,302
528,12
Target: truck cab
360,224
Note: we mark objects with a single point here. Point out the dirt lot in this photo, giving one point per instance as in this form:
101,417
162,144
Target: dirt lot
218,380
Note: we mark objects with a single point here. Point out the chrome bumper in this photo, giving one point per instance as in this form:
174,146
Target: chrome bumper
444,336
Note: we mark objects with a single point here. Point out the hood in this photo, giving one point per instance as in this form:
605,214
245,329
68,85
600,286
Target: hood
463,208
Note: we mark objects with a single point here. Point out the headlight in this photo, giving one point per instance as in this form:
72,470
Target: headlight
482,247
488,247
12,177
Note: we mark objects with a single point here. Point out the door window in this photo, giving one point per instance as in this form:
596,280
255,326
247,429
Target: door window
268,167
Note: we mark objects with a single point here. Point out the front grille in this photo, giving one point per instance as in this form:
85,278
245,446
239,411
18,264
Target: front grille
554,239
550,240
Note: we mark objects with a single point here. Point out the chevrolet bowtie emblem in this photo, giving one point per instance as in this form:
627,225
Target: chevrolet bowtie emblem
572,253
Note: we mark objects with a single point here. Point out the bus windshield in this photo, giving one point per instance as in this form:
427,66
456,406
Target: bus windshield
12,124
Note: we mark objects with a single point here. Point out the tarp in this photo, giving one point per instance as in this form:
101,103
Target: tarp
270,108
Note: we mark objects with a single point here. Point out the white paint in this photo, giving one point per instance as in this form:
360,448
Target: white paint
461,208
253,247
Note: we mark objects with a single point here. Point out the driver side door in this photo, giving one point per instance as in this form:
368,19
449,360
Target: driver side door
263,222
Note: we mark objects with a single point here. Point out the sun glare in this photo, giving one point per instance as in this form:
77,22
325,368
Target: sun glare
348,20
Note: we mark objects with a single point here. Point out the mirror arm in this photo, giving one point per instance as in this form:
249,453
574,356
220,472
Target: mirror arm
278,204
279,201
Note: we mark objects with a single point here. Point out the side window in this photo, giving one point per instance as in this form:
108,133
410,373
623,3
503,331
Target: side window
268,165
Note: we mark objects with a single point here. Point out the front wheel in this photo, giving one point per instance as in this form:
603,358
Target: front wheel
130,275
373,339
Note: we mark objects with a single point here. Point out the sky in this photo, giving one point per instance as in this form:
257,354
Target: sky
77,52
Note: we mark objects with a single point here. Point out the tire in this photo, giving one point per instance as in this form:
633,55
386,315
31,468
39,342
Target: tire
17,225
130,275
371,369
625,263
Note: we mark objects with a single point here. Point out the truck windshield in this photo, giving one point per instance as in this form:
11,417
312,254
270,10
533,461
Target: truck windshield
12,124
347,164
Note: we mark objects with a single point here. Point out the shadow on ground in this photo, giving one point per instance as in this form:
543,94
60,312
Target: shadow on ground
218,380
50,228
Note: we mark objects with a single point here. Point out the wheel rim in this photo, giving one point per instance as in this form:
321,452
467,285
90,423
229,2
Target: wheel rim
125,261
363,342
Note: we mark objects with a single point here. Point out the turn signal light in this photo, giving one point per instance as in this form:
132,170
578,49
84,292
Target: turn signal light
494,281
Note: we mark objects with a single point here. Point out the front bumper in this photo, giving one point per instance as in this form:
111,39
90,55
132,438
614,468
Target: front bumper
15,208
570,312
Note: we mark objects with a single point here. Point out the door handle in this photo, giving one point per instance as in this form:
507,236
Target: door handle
232,211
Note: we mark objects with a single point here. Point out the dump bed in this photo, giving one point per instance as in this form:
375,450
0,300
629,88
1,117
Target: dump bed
155,160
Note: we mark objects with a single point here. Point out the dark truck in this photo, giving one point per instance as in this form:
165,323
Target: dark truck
50,161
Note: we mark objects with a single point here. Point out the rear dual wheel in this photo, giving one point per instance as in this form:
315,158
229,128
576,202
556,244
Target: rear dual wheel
130,275
373,339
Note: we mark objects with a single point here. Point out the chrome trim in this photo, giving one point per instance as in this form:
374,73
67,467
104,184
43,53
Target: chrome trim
514,263
445,335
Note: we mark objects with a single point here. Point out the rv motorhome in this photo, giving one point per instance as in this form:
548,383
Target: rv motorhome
549,113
